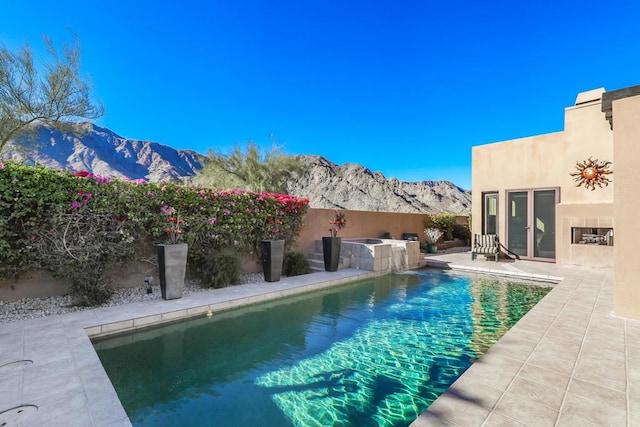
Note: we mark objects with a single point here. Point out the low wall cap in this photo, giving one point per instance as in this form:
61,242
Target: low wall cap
589,96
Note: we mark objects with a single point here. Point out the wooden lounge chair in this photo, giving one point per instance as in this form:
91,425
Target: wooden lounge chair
485,244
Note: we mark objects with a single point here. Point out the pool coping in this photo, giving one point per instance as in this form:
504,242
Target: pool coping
568,362
444,265
192,307
64,377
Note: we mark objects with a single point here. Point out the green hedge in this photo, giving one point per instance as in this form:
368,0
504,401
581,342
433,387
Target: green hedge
67,222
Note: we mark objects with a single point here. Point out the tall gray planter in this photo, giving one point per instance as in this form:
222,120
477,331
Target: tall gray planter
272,259
172,265
331,252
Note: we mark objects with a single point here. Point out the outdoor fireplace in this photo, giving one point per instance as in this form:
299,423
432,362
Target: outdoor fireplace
602,236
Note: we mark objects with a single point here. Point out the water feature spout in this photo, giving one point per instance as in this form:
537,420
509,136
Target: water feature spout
399,261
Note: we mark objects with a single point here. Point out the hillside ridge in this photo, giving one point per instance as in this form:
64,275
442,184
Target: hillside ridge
327,185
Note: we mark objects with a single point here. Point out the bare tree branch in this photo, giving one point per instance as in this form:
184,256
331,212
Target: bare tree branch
56,96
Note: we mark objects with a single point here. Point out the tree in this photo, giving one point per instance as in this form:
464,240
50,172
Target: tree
55,96
249,169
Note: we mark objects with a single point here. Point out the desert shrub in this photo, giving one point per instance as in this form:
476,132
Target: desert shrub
220,270
84,247
461,231
444,223
295,264
432,235
90,290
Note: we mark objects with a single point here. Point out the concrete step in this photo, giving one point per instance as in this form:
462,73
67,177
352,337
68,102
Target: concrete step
316,265
316,261
316,256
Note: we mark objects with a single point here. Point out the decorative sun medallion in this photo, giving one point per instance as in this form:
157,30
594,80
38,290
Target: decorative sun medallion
591,173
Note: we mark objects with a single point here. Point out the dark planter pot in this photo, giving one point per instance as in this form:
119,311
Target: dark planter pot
331,252
272,259
432,249
172,266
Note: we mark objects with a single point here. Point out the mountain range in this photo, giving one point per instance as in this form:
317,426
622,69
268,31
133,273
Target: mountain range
327,185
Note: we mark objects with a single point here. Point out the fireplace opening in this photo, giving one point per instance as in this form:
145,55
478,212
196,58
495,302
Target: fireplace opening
592,236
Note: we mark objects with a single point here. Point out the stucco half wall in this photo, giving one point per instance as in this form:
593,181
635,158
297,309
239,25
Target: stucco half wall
361,224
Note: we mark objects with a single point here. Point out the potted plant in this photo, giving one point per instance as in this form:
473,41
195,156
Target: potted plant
172,257
431,236
331,244
273,251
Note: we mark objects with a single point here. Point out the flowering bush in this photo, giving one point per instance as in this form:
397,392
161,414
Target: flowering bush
128,217
174,229
338,223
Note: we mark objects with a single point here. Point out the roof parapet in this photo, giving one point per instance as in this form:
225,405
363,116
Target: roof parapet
589,96
609,97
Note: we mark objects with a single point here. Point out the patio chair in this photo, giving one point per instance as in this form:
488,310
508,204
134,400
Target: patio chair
485,244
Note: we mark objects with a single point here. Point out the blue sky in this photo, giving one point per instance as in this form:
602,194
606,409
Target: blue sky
405,88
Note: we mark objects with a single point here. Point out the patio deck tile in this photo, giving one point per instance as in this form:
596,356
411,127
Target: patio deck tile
465,403
584,356
598,394
601,371
498,420
548,396
545,377
485,375
527,411
578,410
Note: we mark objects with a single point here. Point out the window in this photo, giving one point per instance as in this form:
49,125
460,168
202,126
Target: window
490,213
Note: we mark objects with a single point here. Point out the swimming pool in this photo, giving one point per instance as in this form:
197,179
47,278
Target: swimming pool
376,352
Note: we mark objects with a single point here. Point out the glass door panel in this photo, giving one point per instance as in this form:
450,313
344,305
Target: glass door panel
517,223
544,216
490,209
531,223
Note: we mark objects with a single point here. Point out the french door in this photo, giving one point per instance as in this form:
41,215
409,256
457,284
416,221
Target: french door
531,223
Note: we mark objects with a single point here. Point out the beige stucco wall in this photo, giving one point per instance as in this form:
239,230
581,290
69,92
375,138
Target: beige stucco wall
626,116
39,284
361,224
587,134
546,161
517,164
593,215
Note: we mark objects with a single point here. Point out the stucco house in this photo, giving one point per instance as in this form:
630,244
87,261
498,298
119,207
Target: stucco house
570,197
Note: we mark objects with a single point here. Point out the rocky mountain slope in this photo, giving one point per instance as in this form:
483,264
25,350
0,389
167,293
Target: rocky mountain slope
352,186
325,184
103,152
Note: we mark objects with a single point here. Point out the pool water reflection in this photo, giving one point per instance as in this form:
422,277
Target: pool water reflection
376,352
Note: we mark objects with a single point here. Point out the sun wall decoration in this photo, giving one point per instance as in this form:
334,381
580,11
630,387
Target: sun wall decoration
591,173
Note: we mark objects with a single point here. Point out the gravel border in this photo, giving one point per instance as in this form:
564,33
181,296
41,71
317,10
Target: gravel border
31,308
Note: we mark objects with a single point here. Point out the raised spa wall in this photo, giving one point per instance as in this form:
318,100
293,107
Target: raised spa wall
378,255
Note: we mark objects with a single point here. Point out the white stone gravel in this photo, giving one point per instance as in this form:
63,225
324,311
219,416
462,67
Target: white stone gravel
29,308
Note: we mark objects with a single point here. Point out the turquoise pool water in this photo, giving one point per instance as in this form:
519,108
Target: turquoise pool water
374,353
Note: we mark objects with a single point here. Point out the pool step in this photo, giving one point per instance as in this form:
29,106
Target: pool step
316,261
